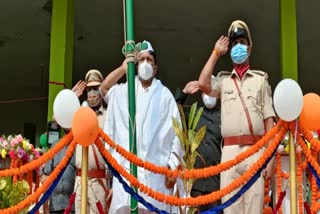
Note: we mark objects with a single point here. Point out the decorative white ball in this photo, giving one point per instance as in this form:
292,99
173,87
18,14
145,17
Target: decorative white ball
280,148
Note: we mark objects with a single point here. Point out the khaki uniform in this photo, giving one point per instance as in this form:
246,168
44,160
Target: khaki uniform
96,191
256,93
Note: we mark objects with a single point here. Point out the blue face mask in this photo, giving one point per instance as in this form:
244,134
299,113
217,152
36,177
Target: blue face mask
239,53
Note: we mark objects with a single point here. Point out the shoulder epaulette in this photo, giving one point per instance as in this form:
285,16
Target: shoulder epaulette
223,73
261,73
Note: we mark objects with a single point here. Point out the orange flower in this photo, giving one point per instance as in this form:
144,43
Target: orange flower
267,198
311,158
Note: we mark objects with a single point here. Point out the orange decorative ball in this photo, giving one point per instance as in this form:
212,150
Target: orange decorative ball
310,115
85,126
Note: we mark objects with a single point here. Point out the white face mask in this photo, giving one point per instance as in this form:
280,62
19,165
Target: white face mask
93,98
145,70
85,104
209,102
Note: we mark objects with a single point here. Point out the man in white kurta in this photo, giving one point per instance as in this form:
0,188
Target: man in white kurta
156,140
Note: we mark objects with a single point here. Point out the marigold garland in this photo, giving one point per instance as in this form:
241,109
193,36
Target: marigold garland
279,179
314,190
14,164
315,143
267,209
200,200
53,176
300,182
29,179
277,131
17,163
311,158
35,164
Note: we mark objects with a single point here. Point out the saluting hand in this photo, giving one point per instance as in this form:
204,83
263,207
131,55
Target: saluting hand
191,87
79,88
222,45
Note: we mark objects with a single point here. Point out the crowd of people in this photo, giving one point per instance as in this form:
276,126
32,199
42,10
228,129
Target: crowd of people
237,113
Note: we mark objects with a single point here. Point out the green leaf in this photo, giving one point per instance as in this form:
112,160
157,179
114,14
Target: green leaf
179,133
192,210
192,114
189,185
197,118
191,135
198,138
180,161
3,183
193,159
183,118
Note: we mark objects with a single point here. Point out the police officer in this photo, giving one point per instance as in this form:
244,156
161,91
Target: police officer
98,176
246,112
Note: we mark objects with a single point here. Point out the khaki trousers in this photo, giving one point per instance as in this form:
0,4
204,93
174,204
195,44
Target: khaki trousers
95,193
250,202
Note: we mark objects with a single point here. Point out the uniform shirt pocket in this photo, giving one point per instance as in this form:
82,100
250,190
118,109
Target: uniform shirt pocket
228,101
254,101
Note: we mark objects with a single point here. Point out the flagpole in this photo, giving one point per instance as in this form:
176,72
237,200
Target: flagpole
84,180
130,46
293,175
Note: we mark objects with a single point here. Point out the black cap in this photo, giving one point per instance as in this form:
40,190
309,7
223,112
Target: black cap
239,33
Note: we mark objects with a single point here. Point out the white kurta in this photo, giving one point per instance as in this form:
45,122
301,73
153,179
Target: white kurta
156,139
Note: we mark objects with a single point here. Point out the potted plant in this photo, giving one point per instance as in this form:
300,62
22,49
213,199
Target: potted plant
14,152
13,193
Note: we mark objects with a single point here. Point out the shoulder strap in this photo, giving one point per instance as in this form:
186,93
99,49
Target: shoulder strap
98,166
244,106
95,155
261,73
262,94
223,74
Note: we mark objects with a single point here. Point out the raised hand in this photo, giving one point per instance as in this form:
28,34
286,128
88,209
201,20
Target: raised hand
124,65
222,45
191,87
79,88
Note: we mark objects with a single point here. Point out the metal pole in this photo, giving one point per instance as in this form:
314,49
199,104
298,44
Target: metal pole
131,92
84,179
293,176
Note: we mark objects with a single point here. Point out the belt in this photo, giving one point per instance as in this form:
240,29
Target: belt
241,140
93,173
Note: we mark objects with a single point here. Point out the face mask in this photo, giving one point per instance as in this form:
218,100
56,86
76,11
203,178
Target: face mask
85,104
239,53
94,98
145,70
209,102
